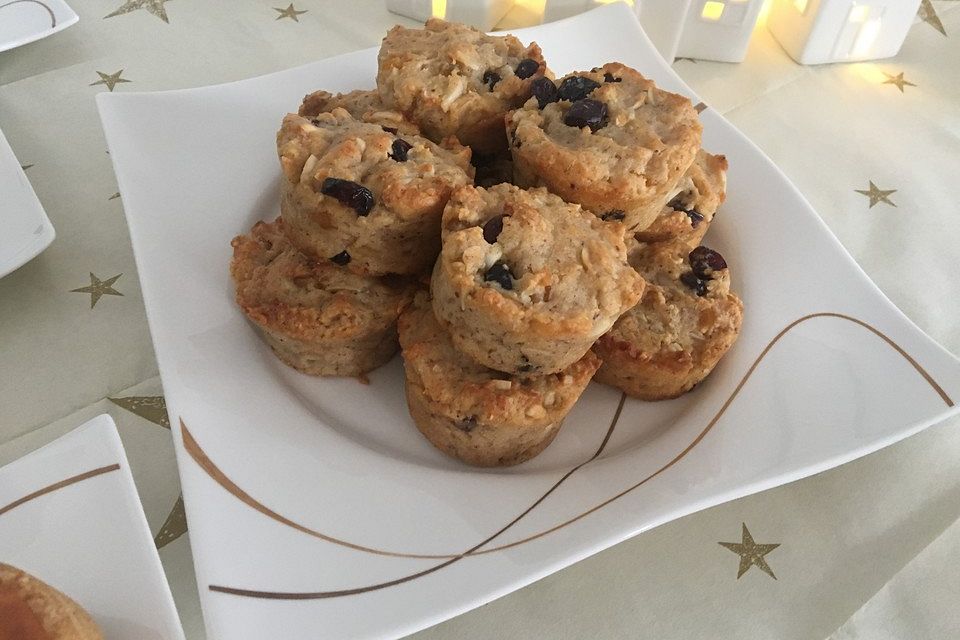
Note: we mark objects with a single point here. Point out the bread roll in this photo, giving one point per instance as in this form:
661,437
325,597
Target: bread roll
30,609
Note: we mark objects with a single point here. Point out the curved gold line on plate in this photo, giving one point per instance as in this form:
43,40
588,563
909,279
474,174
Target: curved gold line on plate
80,477
202,459
195,452
53,17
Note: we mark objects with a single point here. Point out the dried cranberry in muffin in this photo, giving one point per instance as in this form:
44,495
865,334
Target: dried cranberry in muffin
545,91
349,193
399,150
492,228
576,87
342,258
586,113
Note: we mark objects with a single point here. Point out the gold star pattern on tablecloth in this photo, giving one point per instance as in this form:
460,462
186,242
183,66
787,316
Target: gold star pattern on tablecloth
154,7
929,15
110,79
751,553
898,81
99,288
289,12
877,195
152,408
174,526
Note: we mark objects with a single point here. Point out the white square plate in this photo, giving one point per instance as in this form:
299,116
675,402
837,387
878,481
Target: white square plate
26,229
70,515
316,508
23,21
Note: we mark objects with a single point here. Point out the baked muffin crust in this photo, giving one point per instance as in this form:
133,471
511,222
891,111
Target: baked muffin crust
526,282
318,317
363,105
353,187
618,144
693,203
473,413
454,80
684,324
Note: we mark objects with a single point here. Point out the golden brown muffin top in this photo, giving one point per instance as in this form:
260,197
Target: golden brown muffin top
405,174
280,288
464,388
611,130
536,260
695,200
687,301
363,105
446,68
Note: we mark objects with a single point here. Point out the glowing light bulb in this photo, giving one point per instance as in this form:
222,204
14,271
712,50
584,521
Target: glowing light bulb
712,10
438,8
859,13
865,39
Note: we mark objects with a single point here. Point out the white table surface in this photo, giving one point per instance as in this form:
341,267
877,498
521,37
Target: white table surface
865,550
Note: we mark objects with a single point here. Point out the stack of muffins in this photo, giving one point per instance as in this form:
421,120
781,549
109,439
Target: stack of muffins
558,224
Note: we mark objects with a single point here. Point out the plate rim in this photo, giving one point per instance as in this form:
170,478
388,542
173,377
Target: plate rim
71,19
101,430
37,242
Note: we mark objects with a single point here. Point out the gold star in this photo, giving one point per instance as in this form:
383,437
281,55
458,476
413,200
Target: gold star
877,194
109,79
174,526
898,81
751,554
99,288
289,12
929,15
154,7
152,408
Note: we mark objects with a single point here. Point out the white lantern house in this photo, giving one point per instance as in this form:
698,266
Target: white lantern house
820,31
482,14
718,29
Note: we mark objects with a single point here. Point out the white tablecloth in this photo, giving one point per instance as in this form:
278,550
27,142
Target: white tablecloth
862,551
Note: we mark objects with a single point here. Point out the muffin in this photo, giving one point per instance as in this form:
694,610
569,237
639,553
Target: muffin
362,105
353,187
475,414
30,609
453,80
318,317
699,194
607,139
686,321
526,282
